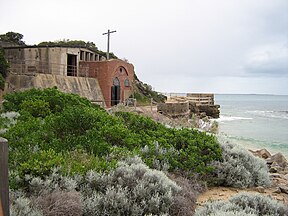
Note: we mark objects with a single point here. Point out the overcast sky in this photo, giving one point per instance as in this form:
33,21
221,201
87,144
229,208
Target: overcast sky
217,46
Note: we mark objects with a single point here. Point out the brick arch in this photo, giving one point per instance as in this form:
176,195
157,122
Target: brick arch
120,70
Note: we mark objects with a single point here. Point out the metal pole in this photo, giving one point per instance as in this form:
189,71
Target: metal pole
4,190
108,42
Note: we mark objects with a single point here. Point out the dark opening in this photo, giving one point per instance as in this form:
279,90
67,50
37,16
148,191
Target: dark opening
115,92
71,65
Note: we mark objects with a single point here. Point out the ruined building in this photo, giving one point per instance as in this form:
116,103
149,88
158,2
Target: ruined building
77,70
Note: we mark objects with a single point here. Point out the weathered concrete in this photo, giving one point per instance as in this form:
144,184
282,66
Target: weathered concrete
85,87
199,104
174,110
48,60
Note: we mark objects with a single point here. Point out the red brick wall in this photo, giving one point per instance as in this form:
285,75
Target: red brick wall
106,71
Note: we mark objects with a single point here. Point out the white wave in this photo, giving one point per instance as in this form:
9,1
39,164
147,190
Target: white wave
270,114
230,118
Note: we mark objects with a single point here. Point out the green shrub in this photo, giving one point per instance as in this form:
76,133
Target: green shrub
244,204
2,82
79,162
40,163
194,150
54,124
8,119
239,168
57,100
35,108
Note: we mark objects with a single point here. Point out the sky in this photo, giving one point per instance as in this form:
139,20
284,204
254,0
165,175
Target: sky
203,46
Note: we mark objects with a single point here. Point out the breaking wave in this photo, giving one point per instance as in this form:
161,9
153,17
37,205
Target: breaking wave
270,114
231,118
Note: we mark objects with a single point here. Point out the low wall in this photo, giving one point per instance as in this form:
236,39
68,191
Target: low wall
180,109
83,86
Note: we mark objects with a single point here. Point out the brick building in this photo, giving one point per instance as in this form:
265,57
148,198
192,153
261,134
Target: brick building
114,76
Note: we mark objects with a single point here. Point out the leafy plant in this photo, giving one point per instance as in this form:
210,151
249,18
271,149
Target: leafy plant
3,66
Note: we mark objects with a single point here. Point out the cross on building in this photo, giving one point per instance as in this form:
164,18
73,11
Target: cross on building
108,41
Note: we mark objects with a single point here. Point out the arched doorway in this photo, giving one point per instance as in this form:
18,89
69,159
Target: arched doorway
115,92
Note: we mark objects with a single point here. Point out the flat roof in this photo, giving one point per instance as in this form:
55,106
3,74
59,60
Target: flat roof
54,46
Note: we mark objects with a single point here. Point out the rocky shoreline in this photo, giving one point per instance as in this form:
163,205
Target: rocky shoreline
278,170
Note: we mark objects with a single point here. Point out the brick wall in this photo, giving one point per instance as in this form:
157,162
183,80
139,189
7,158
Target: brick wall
106,72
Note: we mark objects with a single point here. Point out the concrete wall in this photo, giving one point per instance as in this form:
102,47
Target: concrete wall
107,71
85,87
180,109
48,60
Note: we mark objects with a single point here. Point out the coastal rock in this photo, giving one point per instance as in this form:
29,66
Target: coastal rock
260,189
277,160
275,168
283,188
262,153
278,191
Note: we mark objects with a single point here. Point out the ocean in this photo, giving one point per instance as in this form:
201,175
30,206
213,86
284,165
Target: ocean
255,121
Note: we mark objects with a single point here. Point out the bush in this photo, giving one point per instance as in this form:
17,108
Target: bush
57,100
7,120
194,150
35,108
59,203
184,203
131,189
244,204
262,204
239,168
2,82
23,206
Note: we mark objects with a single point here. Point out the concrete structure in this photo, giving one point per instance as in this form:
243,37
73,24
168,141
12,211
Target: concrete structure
174,110
84,86
199,104
55,60
90,74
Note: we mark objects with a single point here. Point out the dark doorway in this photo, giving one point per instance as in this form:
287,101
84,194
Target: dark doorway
115,92
71,65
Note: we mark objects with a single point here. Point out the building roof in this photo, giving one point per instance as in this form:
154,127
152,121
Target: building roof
55,46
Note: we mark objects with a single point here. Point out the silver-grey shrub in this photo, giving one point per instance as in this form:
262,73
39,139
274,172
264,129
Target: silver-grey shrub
23,206
263,205
243,204
131,189
240,168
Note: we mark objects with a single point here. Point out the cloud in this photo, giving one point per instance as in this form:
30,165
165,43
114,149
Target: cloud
268,60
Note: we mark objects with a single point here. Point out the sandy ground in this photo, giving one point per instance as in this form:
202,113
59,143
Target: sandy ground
224,193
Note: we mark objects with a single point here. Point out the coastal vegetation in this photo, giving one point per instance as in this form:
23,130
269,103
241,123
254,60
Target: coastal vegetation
243,204
3,68
118,163
143,93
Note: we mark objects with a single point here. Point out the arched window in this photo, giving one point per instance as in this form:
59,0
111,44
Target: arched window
126,83
116,82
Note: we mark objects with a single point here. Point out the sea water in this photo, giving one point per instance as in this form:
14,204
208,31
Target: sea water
255,121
